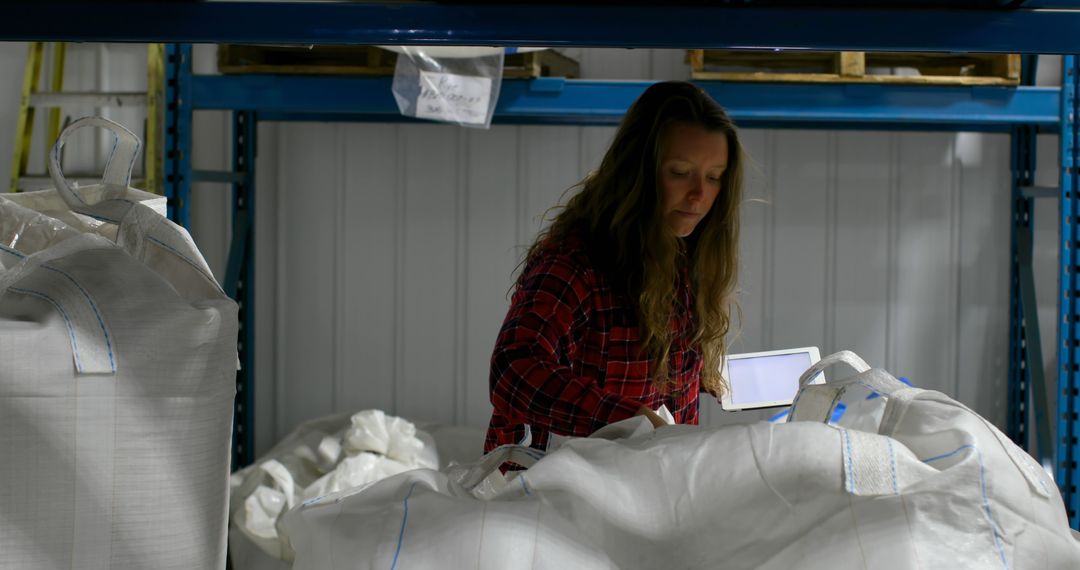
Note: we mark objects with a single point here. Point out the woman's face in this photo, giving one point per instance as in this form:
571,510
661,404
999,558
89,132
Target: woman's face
691,169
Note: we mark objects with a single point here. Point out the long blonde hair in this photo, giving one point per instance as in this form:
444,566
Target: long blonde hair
618,210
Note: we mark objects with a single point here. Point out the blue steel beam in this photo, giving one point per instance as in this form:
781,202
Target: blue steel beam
605,102
1022,167
1068,395
178,125
966,29
240,284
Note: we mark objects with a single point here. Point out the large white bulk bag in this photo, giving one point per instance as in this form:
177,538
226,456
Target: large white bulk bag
935,487
117,376
313,459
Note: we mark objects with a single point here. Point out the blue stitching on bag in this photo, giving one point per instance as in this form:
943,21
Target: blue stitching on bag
989,514
108,341
100,217
892,461
524,487
850,468
71,329
401,533
14,252
188,260
949,454
131,163
112,152
986,498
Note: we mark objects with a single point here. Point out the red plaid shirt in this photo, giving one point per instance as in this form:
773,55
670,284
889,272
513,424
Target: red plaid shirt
568,358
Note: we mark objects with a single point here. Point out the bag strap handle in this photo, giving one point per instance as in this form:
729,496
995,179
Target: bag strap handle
869,459
520,454
816,402
138,224
92,344
117,173
844,356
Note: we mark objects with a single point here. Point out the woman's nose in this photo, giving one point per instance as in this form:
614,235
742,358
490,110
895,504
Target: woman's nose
696,189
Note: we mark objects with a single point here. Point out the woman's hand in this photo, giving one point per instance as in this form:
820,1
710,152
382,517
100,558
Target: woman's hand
656,420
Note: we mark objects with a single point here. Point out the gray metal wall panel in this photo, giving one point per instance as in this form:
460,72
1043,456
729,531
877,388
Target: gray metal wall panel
491,253
861,259
923,323
983,357
798,244
307,242
426,300
366,257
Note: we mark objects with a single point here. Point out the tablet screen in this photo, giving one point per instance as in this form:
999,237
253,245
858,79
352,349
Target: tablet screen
771,378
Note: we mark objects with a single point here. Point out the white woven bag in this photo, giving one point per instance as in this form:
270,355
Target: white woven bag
117,376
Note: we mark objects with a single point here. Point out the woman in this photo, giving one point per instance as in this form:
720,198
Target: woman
624,300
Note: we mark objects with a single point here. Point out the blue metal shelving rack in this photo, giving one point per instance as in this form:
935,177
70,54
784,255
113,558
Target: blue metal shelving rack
1068,451
1023,112
1017,26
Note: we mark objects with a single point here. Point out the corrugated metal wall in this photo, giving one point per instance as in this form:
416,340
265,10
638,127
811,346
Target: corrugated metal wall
385,252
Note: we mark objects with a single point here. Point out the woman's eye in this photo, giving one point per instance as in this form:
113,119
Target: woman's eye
680,172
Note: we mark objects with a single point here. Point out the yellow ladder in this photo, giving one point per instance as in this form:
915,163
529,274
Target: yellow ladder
55,98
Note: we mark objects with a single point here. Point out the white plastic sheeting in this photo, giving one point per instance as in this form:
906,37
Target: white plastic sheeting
324,456
117,376
933,485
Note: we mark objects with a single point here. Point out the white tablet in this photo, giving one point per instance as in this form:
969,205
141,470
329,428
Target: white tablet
766,379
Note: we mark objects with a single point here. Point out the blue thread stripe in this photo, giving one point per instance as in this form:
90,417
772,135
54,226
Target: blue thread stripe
99,217
188,260
892,462
850,468
12,251
112,152
949,454
986,498
103,218
989,514
112,155
524,487
71,329
101,322
401,533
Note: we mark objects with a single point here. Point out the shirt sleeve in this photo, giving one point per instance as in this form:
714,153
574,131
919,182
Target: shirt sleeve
529,384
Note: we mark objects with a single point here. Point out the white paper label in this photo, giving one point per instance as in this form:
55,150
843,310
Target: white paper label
453,98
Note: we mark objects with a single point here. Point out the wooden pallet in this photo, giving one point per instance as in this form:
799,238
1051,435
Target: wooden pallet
368,60
855,67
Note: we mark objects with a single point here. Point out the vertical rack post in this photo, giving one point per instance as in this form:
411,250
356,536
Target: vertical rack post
1020,160
1028,394
239,283
1068,421
178,115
